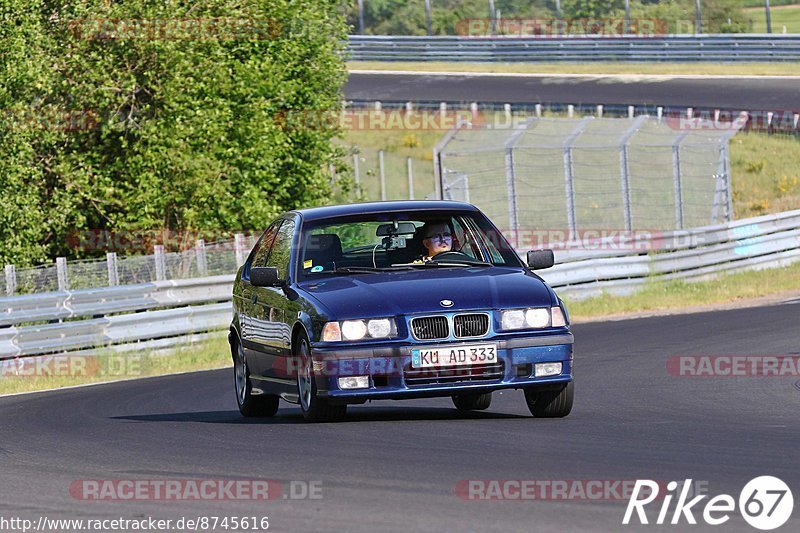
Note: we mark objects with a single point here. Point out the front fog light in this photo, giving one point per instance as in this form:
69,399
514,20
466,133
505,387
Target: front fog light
354,382
547,369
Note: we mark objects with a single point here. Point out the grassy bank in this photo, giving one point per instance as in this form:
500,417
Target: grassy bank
62,371
781,16
676,295
687,69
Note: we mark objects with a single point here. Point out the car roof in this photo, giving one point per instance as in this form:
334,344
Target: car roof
332,211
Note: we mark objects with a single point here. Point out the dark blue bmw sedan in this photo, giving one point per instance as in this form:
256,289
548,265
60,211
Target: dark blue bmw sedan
393,300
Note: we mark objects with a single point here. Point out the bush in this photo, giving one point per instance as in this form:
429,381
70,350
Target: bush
104,129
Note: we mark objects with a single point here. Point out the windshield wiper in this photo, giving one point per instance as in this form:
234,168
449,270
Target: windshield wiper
446,264
368,269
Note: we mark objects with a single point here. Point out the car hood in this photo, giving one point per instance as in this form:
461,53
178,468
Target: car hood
418,291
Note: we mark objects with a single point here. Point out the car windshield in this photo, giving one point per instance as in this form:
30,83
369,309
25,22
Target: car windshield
386,242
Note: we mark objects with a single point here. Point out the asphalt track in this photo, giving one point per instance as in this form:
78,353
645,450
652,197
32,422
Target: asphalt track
394,466
750,94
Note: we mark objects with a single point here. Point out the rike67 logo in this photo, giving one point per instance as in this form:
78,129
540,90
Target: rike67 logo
765,503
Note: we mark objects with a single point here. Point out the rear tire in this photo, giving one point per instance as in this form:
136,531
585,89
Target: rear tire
473,402
314,408
551,403
250,405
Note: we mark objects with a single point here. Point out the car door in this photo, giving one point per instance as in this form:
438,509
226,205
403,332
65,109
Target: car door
271,313
246,304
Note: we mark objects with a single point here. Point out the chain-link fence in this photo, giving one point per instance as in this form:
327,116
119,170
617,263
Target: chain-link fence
592,173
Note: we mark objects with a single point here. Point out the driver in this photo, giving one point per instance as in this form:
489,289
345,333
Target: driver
437,237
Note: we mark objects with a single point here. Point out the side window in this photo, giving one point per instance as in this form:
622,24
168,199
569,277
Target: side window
261,253
282,249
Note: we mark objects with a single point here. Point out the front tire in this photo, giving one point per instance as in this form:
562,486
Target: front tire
250,405
473,402
314,408
551,403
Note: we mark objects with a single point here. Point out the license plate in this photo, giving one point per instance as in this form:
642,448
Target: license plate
435,357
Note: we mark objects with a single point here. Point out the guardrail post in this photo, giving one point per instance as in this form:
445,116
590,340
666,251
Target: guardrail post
202,261
377,105
61,271
538,110
443,110
160,261
11,280
507,111
410,179
383,175
113,272
678,179
600,111
659,113
570,110
631,111
239,249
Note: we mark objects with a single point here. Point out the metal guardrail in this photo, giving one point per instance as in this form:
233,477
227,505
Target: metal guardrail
708,47
170,312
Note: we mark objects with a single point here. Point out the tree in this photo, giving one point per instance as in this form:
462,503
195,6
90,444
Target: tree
175,115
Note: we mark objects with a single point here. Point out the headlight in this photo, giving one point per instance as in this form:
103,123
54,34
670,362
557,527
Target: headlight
514,319
355,330
532,318
537,318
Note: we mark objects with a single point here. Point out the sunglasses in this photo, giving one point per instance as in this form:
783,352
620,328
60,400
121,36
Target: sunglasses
440,236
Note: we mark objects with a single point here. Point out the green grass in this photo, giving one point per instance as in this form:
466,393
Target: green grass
715,68
111,366
788,16
660,295
766,174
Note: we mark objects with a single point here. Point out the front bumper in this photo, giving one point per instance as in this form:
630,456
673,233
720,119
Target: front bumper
391,375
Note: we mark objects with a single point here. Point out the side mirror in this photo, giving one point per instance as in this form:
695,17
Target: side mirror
540,259
264,277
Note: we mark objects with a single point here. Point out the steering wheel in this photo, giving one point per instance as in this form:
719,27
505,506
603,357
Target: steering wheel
452,256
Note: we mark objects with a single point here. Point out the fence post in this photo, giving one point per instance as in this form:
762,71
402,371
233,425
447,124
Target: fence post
238,246
383,175
511,182
161,262
538,110
113,272
625,171
428,16
357,175
600,111
410,179
361,17
61,271
570,110
202,261
11,280
569,176
678,179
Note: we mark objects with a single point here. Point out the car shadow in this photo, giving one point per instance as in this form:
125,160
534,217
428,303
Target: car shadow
293,416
